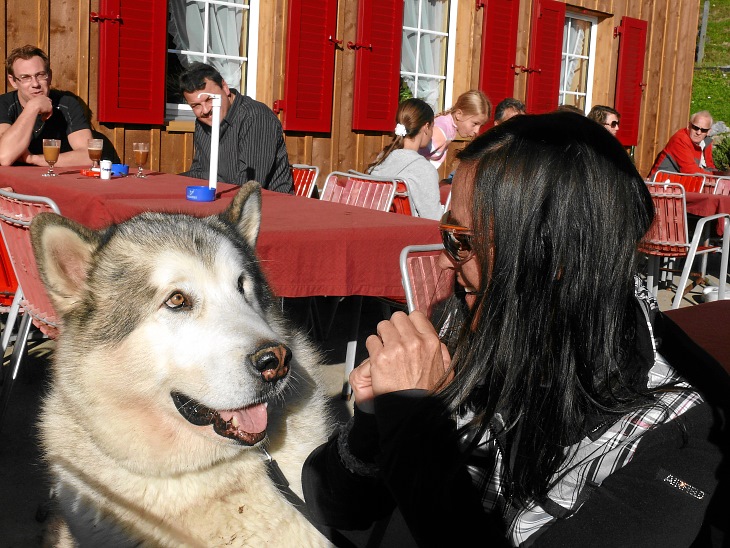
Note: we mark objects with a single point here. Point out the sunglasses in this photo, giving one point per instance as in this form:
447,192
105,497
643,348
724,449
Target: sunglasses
613,124
456,239
698,128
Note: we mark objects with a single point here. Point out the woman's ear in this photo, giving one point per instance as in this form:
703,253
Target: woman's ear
457,114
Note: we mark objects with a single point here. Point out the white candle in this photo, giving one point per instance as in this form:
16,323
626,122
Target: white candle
215,136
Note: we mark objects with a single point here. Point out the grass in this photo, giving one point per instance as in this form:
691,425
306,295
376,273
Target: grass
711,86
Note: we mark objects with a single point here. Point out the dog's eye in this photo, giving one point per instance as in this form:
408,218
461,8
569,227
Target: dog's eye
177,300
241,288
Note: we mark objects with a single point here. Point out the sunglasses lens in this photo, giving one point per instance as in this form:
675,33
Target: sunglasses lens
614,123
457,246
456,239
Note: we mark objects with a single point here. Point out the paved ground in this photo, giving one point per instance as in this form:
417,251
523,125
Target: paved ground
23,487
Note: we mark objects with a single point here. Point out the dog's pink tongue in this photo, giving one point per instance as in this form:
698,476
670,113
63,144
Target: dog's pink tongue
252,419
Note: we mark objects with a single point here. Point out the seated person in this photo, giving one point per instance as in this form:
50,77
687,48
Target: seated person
689,150
607,117
400,159
251,145
507,108
464,119
34,112
545,410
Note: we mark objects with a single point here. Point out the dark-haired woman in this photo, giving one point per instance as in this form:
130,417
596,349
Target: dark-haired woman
400,159
547,417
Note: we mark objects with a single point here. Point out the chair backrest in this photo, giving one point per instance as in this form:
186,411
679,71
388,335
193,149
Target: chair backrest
402,200
667,235
16,213
722,186
424,282
359,190
710,184
445,191
691,182
8,282
305,179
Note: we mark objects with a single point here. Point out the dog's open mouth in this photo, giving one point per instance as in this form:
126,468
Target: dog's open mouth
246,425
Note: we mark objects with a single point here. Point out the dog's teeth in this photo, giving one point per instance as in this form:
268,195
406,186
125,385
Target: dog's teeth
234,422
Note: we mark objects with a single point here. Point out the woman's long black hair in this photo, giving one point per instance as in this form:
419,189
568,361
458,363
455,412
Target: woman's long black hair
558,211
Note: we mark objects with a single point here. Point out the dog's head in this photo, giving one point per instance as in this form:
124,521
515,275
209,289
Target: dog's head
171,338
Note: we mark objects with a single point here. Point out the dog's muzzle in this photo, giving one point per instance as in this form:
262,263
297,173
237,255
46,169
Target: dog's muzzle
246,425
272,361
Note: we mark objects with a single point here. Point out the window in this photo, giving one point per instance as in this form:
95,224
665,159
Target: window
576,68
427,54
221,33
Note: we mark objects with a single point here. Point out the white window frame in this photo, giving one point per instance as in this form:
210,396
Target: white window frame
591,61
182,111
450,53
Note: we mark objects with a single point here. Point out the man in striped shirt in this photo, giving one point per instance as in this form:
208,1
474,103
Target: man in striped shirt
251,146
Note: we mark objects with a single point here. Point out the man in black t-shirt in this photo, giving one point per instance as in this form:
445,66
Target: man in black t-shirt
34,112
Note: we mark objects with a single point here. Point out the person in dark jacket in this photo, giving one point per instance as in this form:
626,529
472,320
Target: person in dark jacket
541,412
251,145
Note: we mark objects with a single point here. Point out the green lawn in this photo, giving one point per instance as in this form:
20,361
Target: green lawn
711,88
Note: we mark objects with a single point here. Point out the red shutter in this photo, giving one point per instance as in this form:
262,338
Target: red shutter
377,66
310,65
499,47
132,55
629,78
546,46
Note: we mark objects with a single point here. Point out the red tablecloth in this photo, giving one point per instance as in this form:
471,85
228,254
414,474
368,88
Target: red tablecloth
708,325
707,204
307,247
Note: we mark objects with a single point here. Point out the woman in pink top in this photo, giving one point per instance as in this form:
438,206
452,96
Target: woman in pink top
465,118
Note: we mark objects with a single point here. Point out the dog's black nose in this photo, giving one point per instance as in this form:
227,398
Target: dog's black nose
272,361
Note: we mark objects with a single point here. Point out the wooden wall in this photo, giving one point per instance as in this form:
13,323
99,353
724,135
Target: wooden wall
63,29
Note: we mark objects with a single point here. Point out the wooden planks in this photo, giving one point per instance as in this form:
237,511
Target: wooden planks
62,28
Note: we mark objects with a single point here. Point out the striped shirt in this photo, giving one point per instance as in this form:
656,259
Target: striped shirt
251,147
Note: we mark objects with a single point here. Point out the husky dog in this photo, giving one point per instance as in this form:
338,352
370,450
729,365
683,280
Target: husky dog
173,370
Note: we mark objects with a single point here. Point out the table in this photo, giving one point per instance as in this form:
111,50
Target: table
707,204
708,325
307,247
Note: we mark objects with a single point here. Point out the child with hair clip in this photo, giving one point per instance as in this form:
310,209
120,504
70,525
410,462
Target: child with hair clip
413,130
465,118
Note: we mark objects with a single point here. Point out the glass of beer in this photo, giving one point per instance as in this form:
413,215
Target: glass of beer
141,153
51,150
95,147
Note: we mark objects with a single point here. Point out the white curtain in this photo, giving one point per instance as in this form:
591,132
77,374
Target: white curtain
187,27
575,36
432,52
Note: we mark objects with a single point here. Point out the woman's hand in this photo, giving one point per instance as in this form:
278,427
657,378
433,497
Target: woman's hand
406,353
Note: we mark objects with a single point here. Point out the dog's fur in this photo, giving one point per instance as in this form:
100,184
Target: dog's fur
161,315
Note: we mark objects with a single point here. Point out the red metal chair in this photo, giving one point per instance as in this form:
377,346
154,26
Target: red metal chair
722,186
16,213
424,282
691,182
359,190
305,179
402,199
8,282
668,237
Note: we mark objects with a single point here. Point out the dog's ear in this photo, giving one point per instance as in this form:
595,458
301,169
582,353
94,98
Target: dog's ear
245,212
63,251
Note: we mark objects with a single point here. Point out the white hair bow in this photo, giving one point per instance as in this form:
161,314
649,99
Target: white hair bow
400,130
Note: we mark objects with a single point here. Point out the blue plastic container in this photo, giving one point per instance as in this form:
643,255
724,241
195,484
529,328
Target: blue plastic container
200,194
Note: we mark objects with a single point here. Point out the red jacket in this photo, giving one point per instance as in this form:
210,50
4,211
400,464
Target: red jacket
681,155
